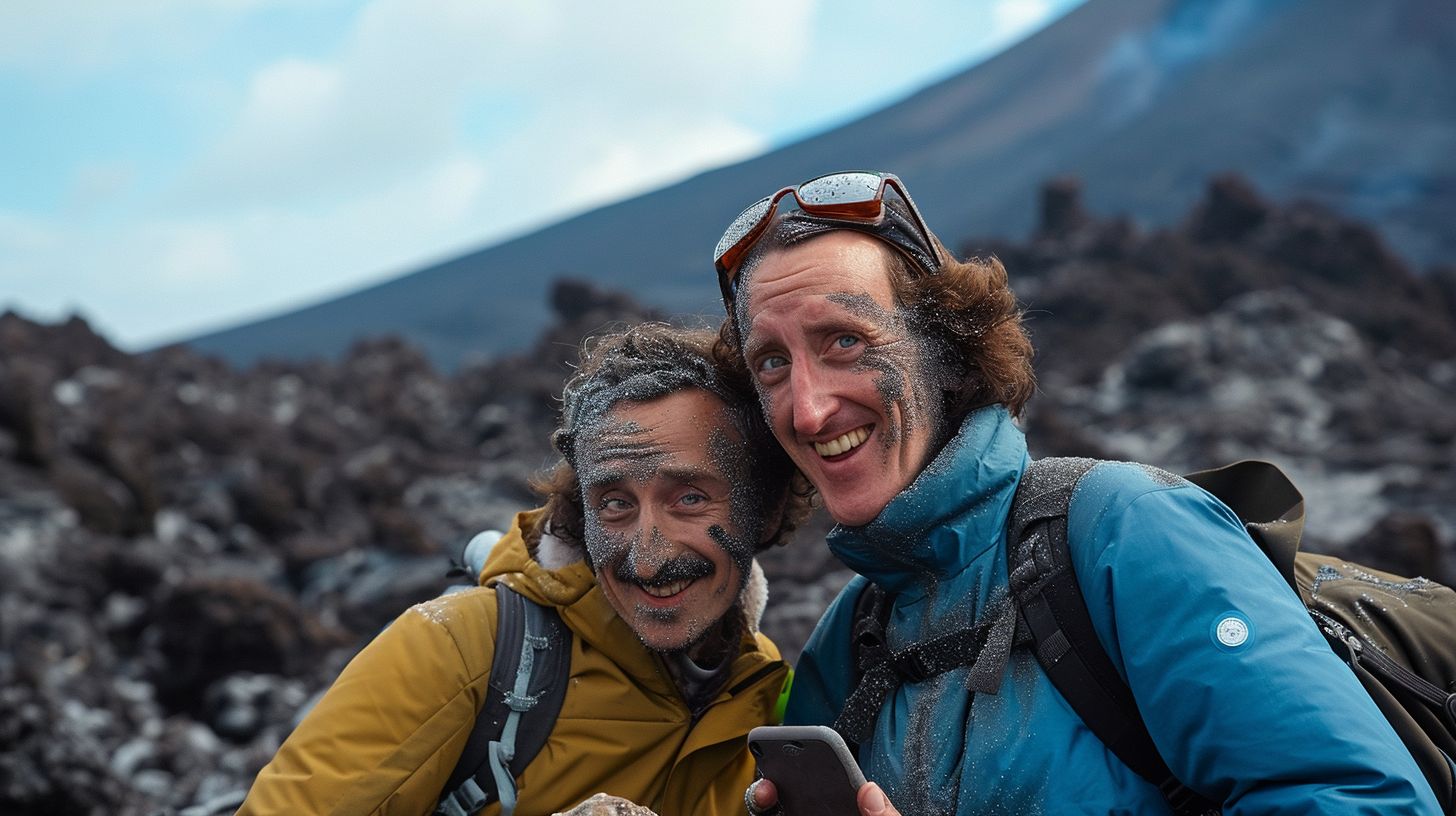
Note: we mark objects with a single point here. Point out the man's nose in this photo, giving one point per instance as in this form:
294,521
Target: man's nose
813,400
654,550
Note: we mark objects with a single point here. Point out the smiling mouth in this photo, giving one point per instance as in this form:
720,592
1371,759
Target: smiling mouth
843,443
667,590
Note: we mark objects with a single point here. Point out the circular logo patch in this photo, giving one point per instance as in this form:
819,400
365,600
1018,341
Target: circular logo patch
1232,631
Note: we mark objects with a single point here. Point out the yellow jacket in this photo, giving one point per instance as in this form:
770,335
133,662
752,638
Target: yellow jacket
386,736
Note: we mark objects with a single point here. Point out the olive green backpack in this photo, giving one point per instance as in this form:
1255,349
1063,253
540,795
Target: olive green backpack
1398,635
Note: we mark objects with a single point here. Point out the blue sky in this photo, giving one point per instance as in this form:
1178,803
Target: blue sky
173,166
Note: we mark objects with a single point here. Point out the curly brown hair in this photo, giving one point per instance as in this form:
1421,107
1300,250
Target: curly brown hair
966,309
969,308
645,362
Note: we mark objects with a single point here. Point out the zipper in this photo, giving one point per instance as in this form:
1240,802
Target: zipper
1362,654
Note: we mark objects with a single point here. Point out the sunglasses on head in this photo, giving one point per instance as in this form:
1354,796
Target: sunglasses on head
854,200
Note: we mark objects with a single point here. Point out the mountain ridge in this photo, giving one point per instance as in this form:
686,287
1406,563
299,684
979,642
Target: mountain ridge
1334,101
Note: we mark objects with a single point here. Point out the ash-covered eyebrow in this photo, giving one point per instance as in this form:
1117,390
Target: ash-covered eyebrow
601,477
853,321
752,347
860,303
686,474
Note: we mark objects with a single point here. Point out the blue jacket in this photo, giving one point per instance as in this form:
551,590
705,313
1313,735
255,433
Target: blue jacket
1266,719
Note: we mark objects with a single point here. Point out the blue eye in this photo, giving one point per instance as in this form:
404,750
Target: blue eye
845,341
772,362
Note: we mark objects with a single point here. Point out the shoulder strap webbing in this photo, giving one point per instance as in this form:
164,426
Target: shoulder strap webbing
871,616
528,679
866,648
1065,641
985,646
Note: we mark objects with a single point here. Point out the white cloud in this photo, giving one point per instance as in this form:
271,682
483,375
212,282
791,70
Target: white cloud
199,255
163,277
621,97
68,38
96,184
452,189
22,235
389,105
290,92
1013,19
283,143
611,166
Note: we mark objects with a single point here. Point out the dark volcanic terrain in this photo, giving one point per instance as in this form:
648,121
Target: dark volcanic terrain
189,551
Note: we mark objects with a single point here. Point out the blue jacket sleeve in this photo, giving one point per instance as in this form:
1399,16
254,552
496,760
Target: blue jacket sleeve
823,673
1243,697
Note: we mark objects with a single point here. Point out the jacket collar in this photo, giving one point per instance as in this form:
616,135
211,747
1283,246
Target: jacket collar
949,515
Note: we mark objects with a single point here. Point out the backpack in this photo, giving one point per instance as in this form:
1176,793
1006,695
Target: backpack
1397,635
528,679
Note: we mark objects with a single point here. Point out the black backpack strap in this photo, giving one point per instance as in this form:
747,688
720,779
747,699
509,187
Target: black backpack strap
528,679
984,646
1065,641
867,649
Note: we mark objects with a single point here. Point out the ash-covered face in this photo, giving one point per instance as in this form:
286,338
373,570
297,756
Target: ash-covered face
847,383
671,514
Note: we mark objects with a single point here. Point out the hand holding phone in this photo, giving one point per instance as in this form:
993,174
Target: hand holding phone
811,768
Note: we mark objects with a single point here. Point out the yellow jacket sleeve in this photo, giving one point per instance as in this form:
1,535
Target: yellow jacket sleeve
387,734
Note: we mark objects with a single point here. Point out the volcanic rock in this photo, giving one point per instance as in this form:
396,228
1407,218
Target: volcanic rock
189,552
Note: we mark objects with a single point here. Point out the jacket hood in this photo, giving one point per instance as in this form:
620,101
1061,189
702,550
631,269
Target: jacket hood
951,513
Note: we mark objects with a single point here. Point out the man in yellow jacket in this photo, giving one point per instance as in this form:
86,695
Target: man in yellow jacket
668,485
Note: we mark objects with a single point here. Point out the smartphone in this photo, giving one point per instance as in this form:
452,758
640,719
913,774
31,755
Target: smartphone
810,766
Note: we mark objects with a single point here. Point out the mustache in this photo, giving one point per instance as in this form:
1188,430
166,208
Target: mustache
683,567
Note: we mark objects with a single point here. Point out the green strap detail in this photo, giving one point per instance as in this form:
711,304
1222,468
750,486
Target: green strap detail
782,703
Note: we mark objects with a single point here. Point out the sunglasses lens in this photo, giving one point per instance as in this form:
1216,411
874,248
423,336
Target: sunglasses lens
741,226
841,188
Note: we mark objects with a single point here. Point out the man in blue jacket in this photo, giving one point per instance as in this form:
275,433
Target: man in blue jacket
891,372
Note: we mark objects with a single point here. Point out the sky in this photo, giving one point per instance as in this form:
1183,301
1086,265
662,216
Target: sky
170,167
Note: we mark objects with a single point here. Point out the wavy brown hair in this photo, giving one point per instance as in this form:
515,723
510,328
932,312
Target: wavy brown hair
969,309
966,309
646,362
